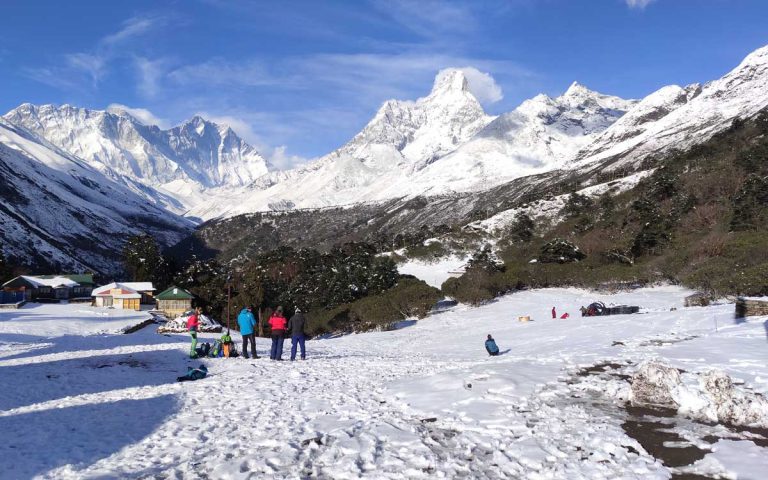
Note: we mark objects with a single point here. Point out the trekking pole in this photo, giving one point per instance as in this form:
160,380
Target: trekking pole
229,294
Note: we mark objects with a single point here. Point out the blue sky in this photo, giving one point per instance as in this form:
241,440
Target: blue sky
299,78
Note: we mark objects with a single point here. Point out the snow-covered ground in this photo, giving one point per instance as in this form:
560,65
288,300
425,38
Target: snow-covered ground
424,401
436,272
55,320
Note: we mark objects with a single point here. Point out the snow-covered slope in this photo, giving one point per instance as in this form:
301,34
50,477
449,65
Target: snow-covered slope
441,143
179,162
424,401
677,118
55,209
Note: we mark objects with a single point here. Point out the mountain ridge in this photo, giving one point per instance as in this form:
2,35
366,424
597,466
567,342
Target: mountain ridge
178,162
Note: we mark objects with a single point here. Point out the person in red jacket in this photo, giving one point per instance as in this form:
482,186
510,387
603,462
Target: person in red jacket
554,313
193,324
277,324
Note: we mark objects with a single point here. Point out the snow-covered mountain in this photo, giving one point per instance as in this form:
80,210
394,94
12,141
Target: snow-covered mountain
440,143
55,209
676,117
427,129
170,167
540,135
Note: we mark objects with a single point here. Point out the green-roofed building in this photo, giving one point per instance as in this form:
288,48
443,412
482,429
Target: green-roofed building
174,301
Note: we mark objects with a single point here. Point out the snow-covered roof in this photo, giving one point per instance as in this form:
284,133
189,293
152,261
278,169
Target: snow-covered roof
50,282
125,287
139,286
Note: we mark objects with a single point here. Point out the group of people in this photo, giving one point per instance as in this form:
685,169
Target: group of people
279,326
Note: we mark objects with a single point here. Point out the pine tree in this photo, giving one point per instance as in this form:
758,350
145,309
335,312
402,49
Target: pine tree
6,271
142,258
576,205
522,229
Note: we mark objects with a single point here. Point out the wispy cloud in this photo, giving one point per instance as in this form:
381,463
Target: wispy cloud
242,123
93,65
429,18
149,74
639,4
133,27
79,69
217,71
142,114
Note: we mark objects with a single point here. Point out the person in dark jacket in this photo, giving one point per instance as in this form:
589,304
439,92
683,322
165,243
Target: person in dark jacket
277,324
246,321
491,347
296,327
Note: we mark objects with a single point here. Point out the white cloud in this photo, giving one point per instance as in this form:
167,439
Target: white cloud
277,156
640,4
134,26
482,85
149,73
142,114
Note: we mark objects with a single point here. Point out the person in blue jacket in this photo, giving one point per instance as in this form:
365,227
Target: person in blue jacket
491,347
247,322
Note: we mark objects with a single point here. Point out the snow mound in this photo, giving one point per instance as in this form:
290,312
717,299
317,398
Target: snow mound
731,404
655,384
713,397
179,324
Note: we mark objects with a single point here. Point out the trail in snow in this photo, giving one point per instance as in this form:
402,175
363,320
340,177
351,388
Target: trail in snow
420,402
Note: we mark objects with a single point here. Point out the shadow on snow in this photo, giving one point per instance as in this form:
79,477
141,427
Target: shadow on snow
79,435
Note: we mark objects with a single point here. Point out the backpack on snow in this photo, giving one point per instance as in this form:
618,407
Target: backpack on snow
217,350
203,350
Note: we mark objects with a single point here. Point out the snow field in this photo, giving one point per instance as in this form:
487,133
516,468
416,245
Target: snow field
433,273
424,401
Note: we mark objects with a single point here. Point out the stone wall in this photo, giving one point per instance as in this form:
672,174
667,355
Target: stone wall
751,307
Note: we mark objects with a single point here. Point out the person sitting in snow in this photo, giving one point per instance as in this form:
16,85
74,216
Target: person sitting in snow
246,321
277,324
491,347
193,324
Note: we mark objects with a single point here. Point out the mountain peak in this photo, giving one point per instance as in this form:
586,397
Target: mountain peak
197,120
450,80
758,57
121,111
576,89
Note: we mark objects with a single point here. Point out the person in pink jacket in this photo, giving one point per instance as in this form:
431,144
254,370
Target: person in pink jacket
277,324
193,324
